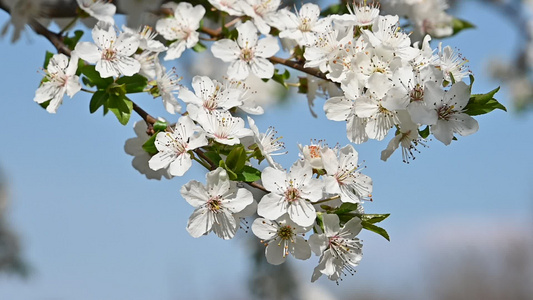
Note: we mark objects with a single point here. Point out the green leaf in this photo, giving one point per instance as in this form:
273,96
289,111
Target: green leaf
460,25
281,78
99,98
47,56
236,159
121,106
249,174
149,145
72,41
199,47
133,84
346,208
480,104
376,229
424,133
231,174
214,157
160,126
117,89
373,218
94,79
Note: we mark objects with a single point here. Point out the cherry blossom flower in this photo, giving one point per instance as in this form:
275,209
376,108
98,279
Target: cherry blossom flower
134,146
168,85
209,95
282,237
248,53
102,10
174,147
110,53
451,63
262,12
181,28
216,205
359,15
344,177
267,143
303,25
313,154
61,78
449,107
340,250
146,36
223,127
406,136
290,193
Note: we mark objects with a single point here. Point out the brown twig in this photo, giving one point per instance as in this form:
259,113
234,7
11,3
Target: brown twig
298,66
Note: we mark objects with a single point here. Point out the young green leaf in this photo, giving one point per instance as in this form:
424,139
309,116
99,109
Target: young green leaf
72,41
149,145
236,159
376,229
160,125
121,106
460,25
480,104
249,174
133,84
99,98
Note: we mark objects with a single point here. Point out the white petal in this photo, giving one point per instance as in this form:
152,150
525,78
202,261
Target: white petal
238,70
300,248
200,222
262,67
88,51
194,193
226,49
272,206
274,253
264,229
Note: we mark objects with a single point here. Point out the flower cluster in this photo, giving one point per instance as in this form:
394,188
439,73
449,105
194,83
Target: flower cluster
374,76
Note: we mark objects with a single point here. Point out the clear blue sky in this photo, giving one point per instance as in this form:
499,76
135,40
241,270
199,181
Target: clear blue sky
93,228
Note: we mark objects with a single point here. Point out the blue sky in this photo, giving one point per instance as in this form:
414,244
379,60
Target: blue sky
93,228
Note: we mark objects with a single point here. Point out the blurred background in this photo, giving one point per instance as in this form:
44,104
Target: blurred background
78,222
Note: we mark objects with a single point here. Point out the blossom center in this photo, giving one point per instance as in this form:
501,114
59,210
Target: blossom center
445,112
286,232
214,204
109,54
247,54
314,151
292,194
417,93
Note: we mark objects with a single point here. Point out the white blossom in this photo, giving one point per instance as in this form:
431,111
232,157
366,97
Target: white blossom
110,53
248,53
282,237
267,143
216,205
344,175
449,111
340,250
134,147
223,127
181,28
290,193
102,10
174,147
60,78
168,85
